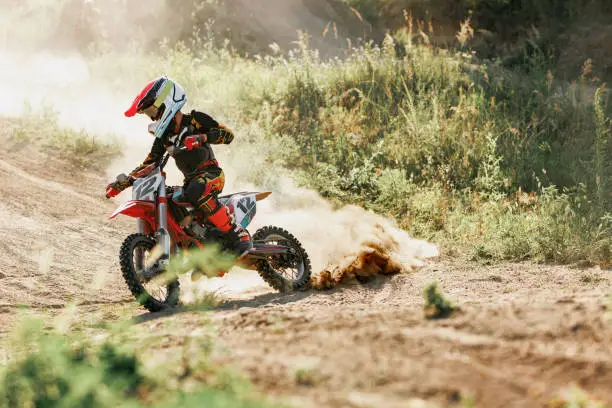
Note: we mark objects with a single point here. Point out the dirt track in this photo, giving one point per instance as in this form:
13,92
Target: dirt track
524,332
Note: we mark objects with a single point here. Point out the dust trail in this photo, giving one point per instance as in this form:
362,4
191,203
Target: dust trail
390,251
347,242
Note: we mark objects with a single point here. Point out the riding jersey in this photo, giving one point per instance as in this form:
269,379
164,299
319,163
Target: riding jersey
198,160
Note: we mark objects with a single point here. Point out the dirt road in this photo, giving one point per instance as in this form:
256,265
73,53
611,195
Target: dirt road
524,332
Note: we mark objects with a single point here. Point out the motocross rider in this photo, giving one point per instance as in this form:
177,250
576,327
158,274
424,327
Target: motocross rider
162,100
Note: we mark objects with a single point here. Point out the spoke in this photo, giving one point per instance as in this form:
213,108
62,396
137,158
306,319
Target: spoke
288,271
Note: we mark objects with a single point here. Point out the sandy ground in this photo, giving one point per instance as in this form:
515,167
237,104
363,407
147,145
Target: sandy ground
524,331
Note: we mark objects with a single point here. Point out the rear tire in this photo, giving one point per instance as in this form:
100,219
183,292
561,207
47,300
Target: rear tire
133,278
273,274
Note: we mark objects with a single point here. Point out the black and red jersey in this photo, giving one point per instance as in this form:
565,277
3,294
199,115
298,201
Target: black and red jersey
196,161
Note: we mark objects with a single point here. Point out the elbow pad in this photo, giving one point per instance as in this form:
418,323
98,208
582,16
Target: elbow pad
220,135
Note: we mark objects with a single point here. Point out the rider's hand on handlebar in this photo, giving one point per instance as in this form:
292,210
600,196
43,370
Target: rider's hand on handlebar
191,142
112,190
117,186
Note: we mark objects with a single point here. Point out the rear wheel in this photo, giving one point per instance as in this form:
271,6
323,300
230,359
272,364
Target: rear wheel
155,293
283,272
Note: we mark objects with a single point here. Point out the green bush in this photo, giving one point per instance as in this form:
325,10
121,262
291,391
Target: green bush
60,374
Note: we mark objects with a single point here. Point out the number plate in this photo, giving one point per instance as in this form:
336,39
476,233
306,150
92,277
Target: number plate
145,188
245,207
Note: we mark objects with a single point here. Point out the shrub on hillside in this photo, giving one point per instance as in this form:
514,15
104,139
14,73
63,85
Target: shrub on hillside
77,147
444,144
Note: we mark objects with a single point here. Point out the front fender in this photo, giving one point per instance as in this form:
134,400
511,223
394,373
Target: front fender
137,209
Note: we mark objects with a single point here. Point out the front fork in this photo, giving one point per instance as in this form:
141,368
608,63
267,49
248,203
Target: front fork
162,217
163,236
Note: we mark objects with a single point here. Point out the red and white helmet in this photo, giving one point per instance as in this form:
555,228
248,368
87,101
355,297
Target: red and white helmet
161,99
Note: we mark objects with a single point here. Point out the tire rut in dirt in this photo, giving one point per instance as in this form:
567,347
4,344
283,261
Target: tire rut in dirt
267,271
133,281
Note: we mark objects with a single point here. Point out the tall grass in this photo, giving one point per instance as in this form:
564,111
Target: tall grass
496,162
457,150
42,130
602,168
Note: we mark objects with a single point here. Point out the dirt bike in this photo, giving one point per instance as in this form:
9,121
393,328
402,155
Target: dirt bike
168,225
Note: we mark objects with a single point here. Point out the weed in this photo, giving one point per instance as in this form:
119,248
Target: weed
437,306
590,278
306,377
59,373
210,262
602,171
468,401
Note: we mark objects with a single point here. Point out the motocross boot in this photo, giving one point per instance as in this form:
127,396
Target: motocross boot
239,238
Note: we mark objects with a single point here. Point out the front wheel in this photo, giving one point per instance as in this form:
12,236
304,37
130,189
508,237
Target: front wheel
283,272
154,294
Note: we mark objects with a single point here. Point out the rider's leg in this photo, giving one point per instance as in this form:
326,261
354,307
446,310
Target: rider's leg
202,193
238,236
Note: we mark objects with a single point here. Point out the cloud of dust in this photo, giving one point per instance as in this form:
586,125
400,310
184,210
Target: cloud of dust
49,65
345,242
85,25
63,84
342,243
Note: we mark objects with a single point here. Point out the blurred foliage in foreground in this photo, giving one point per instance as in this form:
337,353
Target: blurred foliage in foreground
50,368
